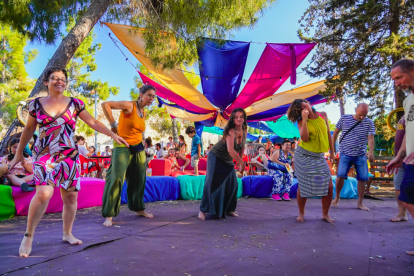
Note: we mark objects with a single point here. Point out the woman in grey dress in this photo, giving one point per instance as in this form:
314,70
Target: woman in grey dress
220,188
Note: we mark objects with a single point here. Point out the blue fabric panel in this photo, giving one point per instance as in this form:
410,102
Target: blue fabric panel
199,128
261,186
350,189
280,110
260,125
221,69
157,188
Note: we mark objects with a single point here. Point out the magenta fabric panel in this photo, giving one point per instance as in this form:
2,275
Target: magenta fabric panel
171,96
277,63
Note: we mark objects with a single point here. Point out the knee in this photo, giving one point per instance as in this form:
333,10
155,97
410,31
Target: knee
43,196
3,169
71,198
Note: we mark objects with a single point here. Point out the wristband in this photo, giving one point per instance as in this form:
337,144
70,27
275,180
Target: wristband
114,125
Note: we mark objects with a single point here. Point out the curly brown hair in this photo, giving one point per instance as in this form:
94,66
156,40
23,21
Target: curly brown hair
294,112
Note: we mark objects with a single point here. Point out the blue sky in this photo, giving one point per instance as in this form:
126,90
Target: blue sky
278,24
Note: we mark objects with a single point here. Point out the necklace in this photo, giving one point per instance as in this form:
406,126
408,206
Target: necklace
139,111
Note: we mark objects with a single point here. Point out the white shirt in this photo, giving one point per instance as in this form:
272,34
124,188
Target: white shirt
83,151
170,145
409,122
104,153
160,153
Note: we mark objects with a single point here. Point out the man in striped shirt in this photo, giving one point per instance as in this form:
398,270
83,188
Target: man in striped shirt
357,130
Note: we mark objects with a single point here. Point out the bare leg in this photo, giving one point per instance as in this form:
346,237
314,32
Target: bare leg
301,204
70,204
326,203
196,170
339,184
361,192
99,173
369,182
402,212
37,208
144,214
264,159
201,215
16,181
3,169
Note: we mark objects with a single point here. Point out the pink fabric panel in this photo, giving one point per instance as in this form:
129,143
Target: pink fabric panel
90,195
160,167
277,61
171,96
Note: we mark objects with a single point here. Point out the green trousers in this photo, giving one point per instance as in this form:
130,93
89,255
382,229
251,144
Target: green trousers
129,166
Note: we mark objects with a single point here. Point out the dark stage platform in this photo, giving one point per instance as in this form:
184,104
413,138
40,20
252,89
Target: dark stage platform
264,240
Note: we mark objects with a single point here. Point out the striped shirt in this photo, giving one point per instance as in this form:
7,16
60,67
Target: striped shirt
355,142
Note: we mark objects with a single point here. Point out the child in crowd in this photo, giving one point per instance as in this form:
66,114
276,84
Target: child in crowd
170,144
21,174
173,160
196,148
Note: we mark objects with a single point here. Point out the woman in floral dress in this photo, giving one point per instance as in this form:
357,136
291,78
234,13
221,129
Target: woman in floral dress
56,161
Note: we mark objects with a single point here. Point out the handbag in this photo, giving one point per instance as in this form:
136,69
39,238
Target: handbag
136,149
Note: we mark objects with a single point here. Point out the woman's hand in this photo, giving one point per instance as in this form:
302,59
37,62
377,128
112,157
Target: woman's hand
17,158
305,114
115,130
332,158
242,167
119,140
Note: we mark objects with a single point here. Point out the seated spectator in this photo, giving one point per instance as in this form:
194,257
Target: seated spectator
258,162
182,157
173,160
149,151
208,149
89,153
258,140
160,152
21,174
107,151
269,147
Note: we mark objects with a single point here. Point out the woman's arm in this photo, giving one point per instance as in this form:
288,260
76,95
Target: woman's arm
28,167
28,131
186,160
244,144
303,130
230,147
100,127
275,158
107,108
331,144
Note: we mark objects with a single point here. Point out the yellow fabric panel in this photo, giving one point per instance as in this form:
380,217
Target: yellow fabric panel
220,121
173,79
286,97
187,116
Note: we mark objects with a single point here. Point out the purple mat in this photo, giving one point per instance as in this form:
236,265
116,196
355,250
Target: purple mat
264,240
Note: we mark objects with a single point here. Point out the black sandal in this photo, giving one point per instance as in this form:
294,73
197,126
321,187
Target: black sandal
26,188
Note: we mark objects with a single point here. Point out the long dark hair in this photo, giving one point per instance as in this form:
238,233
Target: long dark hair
231,124
11,155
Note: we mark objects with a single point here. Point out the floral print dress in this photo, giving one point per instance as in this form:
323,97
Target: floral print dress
56,158
282,181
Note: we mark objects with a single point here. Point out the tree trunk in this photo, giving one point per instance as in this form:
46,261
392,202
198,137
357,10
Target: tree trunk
340,96
394,26
68,47
175,130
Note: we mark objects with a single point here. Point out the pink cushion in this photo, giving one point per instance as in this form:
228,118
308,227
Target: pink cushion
90,195
160,167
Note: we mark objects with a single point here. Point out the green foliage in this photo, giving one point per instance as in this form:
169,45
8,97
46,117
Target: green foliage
173,26
358,41
331,125
79,70
38,19
15,86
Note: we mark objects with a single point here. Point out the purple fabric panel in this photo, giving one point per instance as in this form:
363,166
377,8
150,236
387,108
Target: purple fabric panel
171,96
272,70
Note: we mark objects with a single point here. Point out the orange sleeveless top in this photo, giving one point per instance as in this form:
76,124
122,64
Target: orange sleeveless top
131,126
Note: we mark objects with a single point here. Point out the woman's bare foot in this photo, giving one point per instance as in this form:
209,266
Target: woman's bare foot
335,202
301,218
71,239
108,221
362,207
399,218
411,253
232,214
144,214
25,247
328,218
201,215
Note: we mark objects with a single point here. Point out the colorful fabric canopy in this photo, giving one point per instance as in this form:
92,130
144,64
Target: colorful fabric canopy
221,69
284,128
173,79
260,125
219,131
277,63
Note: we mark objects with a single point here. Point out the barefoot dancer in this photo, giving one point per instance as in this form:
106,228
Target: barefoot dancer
220,189
56,162
403,75
357,130
312,170
127,162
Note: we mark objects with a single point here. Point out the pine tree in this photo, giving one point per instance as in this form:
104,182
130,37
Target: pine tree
358,41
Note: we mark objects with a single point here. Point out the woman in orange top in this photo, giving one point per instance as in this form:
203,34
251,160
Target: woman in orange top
126,162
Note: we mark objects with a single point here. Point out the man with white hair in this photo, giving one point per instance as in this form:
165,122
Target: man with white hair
403,75
357,130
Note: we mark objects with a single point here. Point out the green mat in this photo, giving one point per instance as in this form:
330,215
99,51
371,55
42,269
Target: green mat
7,207
192,187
